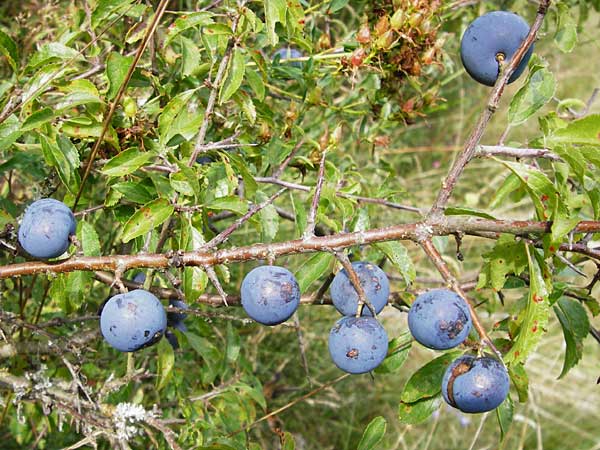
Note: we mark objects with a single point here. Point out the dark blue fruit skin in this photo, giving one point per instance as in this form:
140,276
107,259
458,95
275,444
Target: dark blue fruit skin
139,277
493,33
133,320
174,319
270,294
374,282
439,319
482,387
357,344
46,227
172,339
287,53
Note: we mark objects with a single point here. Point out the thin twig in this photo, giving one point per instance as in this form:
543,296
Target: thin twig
442,267
312,214
355,280
292,403
377,201
160,10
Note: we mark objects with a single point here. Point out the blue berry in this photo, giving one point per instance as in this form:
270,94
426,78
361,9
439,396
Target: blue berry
172,339
174,319
357,344
46,227
475,385
133,320
497,32
439,319
139,277
270,294
287,53
374,282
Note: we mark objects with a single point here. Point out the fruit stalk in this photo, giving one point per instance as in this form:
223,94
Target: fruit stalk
444,270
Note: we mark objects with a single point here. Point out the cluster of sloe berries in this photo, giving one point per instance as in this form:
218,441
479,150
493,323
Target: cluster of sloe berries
438,319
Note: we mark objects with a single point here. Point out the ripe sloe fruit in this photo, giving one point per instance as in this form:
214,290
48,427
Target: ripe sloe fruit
357,344
46,227
139,277
174,319
439,319
133,320
270,294
475,385
497,32
374,282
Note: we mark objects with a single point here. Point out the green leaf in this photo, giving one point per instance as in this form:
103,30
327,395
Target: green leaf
274,12
398,350
576,326
209,353
233,344
417,412
399,257
65,158
507,257
256,83
464,211
504,414
535,93
37,119
53,51
87,236
183,23
105,8
137,192
229,203
584,131
9,49
427,381
179,118
117,67
10,131
534,318
190,56
287,441
147,218
520,380
373,434
566,31
269,219
165,364
126,162
235,75
314,268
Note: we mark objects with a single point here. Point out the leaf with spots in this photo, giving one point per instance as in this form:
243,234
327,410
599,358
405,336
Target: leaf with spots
533,318
575,325
147,218
419,411
507,257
